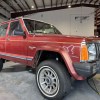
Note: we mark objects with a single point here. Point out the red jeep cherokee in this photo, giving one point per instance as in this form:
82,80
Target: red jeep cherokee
56,57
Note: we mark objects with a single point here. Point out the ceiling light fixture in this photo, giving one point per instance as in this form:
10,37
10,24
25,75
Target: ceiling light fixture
32,6
69,6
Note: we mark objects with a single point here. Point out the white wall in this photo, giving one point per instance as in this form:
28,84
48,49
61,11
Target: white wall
65,21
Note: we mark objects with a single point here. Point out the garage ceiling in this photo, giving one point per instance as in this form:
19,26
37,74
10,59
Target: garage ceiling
23,7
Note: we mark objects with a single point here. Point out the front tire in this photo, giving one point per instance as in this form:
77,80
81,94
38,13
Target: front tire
52,79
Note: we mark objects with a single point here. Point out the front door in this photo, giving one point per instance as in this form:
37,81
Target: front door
16,45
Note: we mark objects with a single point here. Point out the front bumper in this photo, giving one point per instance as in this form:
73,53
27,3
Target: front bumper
87,69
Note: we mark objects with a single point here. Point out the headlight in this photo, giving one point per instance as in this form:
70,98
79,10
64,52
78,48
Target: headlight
91,51
87,52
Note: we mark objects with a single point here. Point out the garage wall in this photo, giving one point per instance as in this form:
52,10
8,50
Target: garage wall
72,21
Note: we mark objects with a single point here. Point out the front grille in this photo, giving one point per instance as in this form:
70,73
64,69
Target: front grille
97,46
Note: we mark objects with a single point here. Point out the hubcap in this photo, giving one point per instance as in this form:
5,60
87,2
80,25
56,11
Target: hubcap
48,81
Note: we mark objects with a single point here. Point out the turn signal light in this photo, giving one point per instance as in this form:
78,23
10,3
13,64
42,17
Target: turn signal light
84,53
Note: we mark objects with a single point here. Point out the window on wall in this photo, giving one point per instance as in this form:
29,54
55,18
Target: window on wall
3,29
15,26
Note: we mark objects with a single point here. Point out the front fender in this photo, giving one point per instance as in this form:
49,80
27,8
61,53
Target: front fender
66,57
69,64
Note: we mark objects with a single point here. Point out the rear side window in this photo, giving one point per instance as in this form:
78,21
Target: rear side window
40,27
3,29
45,28
15,26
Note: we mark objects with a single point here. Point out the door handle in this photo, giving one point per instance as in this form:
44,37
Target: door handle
8,39
30,47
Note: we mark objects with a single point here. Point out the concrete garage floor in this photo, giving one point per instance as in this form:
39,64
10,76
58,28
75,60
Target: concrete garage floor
18,84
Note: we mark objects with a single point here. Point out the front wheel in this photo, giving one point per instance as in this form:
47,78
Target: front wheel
52,79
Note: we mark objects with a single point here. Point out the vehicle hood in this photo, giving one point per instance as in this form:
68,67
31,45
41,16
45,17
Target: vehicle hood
63,38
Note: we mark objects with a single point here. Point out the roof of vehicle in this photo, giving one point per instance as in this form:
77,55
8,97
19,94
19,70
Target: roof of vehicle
22,18
36,20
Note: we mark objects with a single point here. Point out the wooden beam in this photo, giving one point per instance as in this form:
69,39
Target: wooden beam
9,4
81,1
97,10
98,19
85,1
4,8
98,15
90,1
61,2
27,4
2,15
66,2
56,3
17,14
43,3
18,5
71,1
96,2
76,1
51,3
23,4
35,4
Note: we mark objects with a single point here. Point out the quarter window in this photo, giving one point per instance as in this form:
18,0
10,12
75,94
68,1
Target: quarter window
44,28
3,29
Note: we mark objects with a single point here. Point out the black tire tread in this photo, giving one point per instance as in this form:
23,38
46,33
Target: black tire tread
63,77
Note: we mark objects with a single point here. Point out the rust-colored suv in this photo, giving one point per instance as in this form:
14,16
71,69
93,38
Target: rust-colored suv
56,57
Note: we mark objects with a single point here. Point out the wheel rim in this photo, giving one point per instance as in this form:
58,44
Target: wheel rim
48,81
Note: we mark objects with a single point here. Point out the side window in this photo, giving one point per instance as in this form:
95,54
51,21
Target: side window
44,28
30,25
39,27
3,29
15,26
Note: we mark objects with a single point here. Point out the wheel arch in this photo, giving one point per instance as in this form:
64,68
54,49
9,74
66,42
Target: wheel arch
57,54
42,55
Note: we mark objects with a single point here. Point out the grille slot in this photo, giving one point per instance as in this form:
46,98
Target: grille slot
97,46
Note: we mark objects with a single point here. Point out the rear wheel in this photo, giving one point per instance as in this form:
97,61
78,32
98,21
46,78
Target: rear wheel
1,64
52,79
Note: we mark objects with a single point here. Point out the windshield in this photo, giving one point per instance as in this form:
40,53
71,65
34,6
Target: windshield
38,27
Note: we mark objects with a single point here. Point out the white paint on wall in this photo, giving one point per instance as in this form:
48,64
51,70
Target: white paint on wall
65,21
